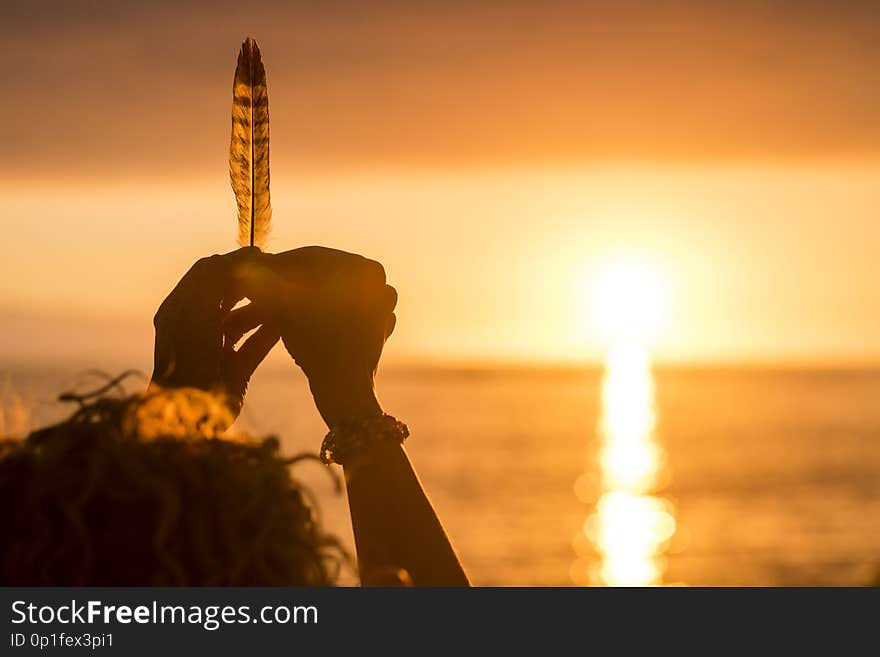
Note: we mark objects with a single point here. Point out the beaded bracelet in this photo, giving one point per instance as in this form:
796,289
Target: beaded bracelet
342,441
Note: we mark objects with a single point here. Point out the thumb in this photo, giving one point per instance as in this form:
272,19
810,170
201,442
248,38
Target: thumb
253,351
268,289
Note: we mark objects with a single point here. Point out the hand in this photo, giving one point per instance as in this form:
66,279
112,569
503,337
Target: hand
196,330
335,313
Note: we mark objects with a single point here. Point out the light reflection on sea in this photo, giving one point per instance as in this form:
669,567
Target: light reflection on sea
775,471
630,526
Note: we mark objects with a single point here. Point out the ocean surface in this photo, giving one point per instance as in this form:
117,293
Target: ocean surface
623,475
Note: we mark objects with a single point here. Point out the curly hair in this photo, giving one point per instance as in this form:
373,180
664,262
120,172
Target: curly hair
96,500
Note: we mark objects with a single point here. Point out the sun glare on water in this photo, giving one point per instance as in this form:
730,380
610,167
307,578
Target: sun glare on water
629,527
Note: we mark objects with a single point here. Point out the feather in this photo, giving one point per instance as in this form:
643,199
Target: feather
249,146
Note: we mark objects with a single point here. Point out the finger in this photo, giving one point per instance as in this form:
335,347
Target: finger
244,253
200,286
390,299
241,320
220,267
239,263
372,271
271,291
389,327
255,349
207,282
317,264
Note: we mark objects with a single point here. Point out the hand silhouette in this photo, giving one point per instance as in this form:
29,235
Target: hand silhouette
335,313
193,346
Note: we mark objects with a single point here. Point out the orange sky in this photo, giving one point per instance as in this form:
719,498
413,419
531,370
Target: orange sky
490,154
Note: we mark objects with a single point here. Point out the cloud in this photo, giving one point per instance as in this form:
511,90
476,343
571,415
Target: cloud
135,89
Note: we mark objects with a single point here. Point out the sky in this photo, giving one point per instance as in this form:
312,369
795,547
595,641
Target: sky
496,157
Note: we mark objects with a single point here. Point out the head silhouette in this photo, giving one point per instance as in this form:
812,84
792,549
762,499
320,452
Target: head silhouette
102,499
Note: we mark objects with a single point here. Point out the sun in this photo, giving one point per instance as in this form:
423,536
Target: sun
629,297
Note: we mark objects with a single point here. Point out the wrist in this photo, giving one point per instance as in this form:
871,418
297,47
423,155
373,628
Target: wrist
345,396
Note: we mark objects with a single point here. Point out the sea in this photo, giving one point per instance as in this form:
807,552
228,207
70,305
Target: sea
626,474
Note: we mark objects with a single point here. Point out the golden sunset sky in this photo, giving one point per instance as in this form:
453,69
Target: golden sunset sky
495,156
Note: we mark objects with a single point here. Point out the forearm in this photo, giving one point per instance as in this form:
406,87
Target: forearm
395,526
